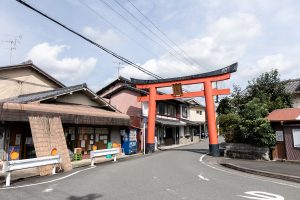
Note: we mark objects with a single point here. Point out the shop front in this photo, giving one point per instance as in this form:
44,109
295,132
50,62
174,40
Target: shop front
89,129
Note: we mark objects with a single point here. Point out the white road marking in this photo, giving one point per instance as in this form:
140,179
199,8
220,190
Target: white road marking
201,158
258,195
171,191
243,175
203,178
48,190
34,184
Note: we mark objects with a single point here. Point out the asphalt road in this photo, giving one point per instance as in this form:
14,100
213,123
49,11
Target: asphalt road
184,173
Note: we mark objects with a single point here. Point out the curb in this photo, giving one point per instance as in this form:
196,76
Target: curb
262,173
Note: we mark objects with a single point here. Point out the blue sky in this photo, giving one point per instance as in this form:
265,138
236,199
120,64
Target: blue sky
259,35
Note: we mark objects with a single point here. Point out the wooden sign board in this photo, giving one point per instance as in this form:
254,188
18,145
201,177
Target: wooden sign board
177,89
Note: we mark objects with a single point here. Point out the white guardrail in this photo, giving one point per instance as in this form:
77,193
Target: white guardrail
13,165
103,152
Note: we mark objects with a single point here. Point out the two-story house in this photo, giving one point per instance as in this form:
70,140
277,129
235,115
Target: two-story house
173,124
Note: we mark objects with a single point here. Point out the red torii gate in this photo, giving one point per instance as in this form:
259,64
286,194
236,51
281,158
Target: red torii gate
208,93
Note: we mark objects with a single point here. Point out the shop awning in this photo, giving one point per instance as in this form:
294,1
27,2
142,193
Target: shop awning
170,122
77,114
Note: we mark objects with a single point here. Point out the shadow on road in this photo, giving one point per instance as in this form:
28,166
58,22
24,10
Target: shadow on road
86,197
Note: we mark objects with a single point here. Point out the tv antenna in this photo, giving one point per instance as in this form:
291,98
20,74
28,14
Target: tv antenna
13,45
119,67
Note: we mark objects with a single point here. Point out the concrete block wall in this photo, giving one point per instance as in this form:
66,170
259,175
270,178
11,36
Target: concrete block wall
246,151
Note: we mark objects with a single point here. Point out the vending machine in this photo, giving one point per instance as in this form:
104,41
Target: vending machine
129,141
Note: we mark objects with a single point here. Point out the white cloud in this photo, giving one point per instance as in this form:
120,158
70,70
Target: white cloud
107,38
47,57
224,43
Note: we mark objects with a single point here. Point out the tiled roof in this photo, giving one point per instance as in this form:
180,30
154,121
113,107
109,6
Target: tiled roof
67,113
288,114
45,94
120,79
293,85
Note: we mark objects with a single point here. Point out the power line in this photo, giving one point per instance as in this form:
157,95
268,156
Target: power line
115,27
90,41
138,29
157,36
165,35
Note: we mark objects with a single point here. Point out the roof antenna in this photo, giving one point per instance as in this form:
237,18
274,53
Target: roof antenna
119,67
13,45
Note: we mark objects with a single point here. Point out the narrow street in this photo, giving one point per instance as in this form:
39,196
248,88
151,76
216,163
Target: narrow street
183,173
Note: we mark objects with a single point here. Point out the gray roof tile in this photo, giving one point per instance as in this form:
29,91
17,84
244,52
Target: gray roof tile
45,94
293,85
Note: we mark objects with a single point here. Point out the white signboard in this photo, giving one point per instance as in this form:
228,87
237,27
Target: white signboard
279,136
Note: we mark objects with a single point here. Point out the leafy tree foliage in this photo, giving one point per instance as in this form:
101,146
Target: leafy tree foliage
242,117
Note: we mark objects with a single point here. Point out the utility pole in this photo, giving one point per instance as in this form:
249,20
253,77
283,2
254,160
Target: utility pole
13,45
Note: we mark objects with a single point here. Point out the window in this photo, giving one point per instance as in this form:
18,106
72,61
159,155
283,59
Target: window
199,112
160,108
184,112
296,137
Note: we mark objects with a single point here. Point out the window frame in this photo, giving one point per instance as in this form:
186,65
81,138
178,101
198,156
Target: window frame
297,145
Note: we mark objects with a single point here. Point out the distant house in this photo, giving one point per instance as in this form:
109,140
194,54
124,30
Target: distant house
286,123
198,116
293,86
41,113
173,122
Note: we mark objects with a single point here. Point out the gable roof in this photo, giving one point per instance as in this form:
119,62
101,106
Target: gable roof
293,85
287,114
120,79
53,94
30,65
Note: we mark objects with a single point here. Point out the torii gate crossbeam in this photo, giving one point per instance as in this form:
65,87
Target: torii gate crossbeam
208,93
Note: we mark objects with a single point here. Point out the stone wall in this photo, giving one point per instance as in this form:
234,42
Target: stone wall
184,140
47,133
246,151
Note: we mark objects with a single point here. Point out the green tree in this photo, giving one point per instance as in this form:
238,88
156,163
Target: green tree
242,116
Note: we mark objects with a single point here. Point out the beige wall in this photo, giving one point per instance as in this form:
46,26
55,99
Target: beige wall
77,98
12,88
296,101
197,117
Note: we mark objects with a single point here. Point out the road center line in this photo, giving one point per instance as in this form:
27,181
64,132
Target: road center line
242,175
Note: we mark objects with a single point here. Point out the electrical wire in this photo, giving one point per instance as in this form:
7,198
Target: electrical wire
165,35
139,30
155,34
90,41
115,27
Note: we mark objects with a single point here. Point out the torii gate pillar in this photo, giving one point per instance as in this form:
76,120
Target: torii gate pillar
150,146
211,119
208,93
